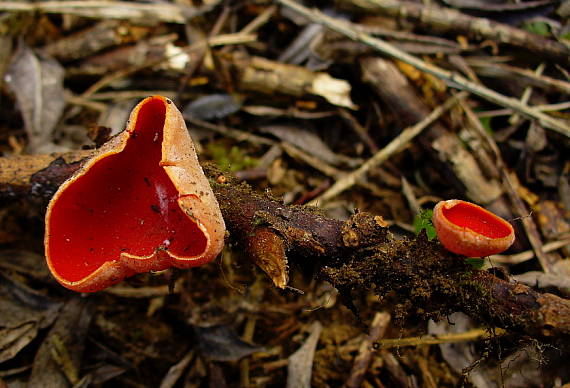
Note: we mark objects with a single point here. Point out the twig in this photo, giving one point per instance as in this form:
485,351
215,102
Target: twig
451,79
554,107
121,95
176,370
408,192
163,12
219,40
543,108
366,350
538,80
85,102
259,20
233,133
358,129
512,186
526,255
391,148
514,119
450,338
311,160
146,292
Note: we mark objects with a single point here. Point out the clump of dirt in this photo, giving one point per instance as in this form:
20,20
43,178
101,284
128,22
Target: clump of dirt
416,290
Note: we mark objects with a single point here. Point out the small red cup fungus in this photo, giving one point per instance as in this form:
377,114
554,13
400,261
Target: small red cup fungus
467,229
140,203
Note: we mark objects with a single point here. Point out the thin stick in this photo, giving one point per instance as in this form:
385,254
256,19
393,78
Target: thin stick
470,335
451,79
259,20
543,108
311,160
527,255
392,148
219,40
366,350
164,12
538,80
237,134
514,119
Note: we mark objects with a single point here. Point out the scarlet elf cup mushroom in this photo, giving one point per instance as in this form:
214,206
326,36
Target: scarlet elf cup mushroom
468,229
139,203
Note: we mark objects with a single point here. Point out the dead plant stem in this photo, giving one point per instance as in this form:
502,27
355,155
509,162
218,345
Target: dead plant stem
164,12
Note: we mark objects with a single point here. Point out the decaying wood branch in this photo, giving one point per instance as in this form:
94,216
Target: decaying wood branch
265,76
418,277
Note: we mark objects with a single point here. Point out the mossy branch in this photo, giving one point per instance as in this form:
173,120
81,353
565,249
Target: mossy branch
421,279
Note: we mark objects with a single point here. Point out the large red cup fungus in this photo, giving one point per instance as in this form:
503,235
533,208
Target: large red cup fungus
139,203
467,229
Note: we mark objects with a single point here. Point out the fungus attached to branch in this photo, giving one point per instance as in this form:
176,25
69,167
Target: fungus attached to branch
467,229
139,203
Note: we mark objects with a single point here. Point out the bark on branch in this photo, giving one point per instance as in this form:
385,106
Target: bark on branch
418,277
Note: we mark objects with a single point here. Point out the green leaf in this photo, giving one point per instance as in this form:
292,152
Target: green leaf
475,262
486,123
423,221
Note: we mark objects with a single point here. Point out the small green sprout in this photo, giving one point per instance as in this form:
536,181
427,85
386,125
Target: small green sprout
423,221
538,27
232,159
